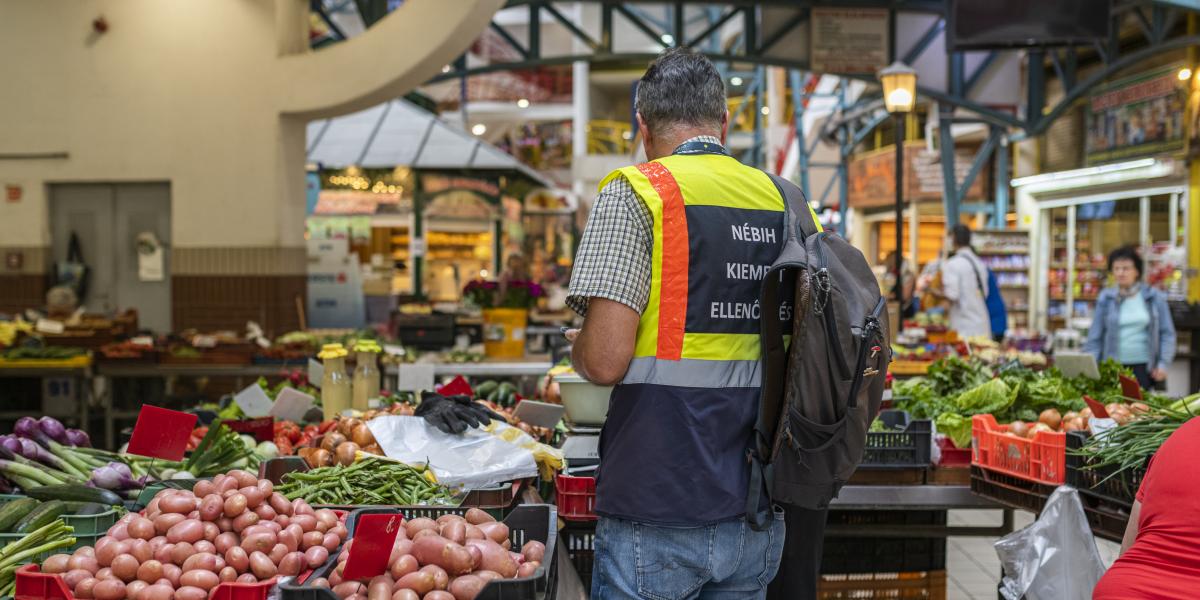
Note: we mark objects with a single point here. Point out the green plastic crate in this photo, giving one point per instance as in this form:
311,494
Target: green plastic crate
88,528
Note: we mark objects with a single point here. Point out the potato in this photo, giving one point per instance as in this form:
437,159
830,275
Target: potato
280,504
140,549
172,573
379,590
495,558
476,556
246,578
57,563
235,505
205,561
533,550
261,566
74,576
347,588
133,588
188,530
425,532
150,571
157,591
182,503
476,516
188,592
497,532
259,542
244,520
474,533
447,518
440,578
528,569
455,531
320,582
228,574
438,595
162,523
237,558
466,587
405,594
487,575
87,563
244,478
125,567
437,550
420,582
139,528
403,566
292,563
200,578
316,556
254,496
412,527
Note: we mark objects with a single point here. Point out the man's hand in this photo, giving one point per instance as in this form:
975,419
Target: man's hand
571,335
1158,374
604,347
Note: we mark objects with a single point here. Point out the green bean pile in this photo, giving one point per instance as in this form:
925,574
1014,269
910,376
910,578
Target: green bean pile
1128,448
370,481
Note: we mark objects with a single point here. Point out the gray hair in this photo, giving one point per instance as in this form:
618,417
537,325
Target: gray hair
681,87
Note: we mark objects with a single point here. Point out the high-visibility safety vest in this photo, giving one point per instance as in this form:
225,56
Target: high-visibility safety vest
673,450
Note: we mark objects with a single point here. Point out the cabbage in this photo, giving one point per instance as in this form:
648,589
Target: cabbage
992,396
956,427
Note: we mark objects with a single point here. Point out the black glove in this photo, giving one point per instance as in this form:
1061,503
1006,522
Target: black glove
453,414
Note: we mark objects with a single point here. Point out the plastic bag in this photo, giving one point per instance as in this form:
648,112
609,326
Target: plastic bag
1055,558
472,459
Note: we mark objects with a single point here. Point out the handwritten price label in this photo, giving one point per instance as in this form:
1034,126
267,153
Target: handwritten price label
374,536
161,433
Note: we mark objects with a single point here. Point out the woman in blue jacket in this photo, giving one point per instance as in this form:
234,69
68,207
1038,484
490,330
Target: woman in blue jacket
1132,323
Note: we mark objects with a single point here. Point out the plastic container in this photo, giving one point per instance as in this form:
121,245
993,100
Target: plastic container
844,554
504,332
586,403
32,584
580,544
923,585
575,497
952,456
88,528
527,522
1014,492
1098,485
905,449
1041,459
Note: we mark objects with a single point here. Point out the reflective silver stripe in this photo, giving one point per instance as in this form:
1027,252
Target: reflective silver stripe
690,372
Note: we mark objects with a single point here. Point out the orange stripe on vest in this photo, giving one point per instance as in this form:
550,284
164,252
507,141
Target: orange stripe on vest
673,293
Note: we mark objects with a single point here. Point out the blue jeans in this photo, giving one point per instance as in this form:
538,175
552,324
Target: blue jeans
711,562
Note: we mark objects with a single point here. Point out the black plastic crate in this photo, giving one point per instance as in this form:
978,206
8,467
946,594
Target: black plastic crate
580,544
1106,522
1100,484
526,522
899,449
1010,491
883,554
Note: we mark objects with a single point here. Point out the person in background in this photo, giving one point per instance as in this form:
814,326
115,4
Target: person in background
515,269
1132,323
1158,553
911,302
964,287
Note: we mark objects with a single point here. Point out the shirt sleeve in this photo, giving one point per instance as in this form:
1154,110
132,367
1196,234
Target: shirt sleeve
613,260
951,281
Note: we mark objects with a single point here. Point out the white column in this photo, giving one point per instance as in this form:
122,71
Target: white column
580,102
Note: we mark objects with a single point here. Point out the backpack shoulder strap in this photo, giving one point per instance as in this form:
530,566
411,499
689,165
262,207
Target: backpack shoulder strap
798,213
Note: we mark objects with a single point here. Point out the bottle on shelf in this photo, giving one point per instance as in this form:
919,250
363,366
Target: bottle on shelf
335,385
366,373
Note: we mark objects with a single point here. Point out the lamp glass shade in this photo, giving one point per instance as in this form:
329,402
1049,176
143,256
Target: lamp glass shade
899,88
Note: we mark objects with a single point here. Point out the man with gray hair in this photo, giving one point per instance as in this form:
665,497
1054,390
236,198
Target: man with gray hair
667,277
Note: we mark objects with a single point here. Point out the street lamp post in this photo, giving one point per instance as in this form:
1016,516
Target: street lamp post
899,96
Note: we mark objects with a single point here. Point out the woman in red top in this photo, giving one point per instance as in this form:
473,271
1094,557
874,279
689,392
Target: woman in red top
1160,554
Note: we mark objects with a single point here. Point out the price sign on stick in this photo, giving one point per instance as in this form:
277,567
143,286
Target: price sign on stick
374,536
161,433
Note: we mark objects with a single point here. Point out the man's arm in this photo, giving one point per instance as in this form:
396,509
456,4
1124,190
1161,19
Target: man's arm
604,347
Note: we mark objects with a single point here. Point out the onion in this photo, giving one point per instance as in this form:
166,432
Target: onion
361,435
1037,427
1050,417
1018,428
346,453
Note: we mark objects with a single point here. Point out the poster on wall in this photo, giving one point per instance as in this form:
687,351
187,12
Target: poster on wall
871,176
1138,116
849,40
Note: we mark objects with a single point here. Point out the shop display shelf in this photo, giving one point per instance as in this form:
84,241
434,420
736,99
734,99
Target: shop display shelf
1014,492
527,522
908,448
1041,459
919,585
1100,485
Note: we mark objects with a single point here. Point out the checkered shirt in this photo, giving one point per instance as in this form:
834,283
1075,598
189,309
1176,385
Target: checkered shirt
613,261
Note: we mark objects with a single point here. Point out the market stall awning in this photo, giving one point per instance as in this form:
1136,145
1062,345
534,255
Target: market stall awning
399,133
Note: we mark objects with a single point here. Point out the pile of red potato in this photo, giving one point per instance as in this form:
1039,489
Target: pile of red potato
452,558
234,528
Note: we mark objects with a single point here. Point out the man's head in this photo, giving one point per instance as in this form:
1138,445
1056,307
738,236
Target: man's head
681,96
960,236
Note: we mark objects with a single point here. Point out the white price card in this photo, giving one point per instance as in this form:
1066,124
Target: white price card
415,378
291,405
316,373
49,326
539,414
253,401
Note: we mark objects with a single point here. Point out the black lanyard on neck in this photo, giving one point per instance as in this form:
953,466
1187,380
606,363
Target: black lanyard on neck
701,147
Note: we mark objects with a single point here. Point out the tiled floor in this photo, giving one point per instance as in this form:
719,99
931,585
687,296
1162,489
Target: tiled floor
972,567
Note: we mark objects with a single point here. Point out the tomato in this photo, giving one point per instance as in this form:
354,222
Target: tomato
311,430
327,425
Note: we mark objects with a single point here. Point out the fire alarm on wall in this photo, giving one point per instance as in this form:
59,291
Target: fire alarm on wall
100,25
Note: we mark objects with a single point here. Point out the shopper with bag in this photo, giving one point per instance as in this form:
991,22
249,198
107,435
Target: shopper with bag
965,287
667,276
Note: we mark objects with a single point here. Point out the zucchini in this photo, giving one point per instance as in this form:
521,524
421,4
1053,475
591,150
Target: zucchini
14,511
72,492
41,516
485,388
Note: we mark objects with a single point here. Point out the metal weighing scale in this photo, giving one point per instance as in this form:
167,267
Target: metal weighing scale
581,446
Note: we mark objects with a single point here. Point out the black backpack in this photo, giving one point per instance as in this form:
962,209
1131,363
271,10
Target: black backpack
820,393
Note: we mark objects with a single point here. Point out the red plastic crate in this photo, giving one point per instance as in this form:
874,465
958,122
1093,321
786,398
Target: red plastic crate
953,456
1042,459
32,584
576,497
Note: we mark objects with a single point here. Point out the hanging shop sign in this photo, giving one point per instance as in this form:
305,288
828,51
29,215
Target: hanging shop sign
1138,116
871,177
849,40
433,184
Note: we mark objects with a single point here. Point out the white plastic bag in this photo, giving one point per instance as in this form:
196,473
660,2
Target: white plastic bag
1055,558
472,459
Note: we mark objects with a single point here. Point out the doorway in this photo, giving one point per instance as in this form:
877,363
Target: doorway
111,221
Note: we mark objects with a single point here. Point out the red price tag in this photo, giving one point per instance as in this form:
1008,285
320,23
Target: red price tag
1098,410
457,387
262,428
374,536
161,433
1130,387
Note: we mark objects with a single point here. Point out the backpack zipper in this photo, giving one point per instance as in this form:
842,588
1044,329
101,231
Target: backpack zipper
823,286
870,330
